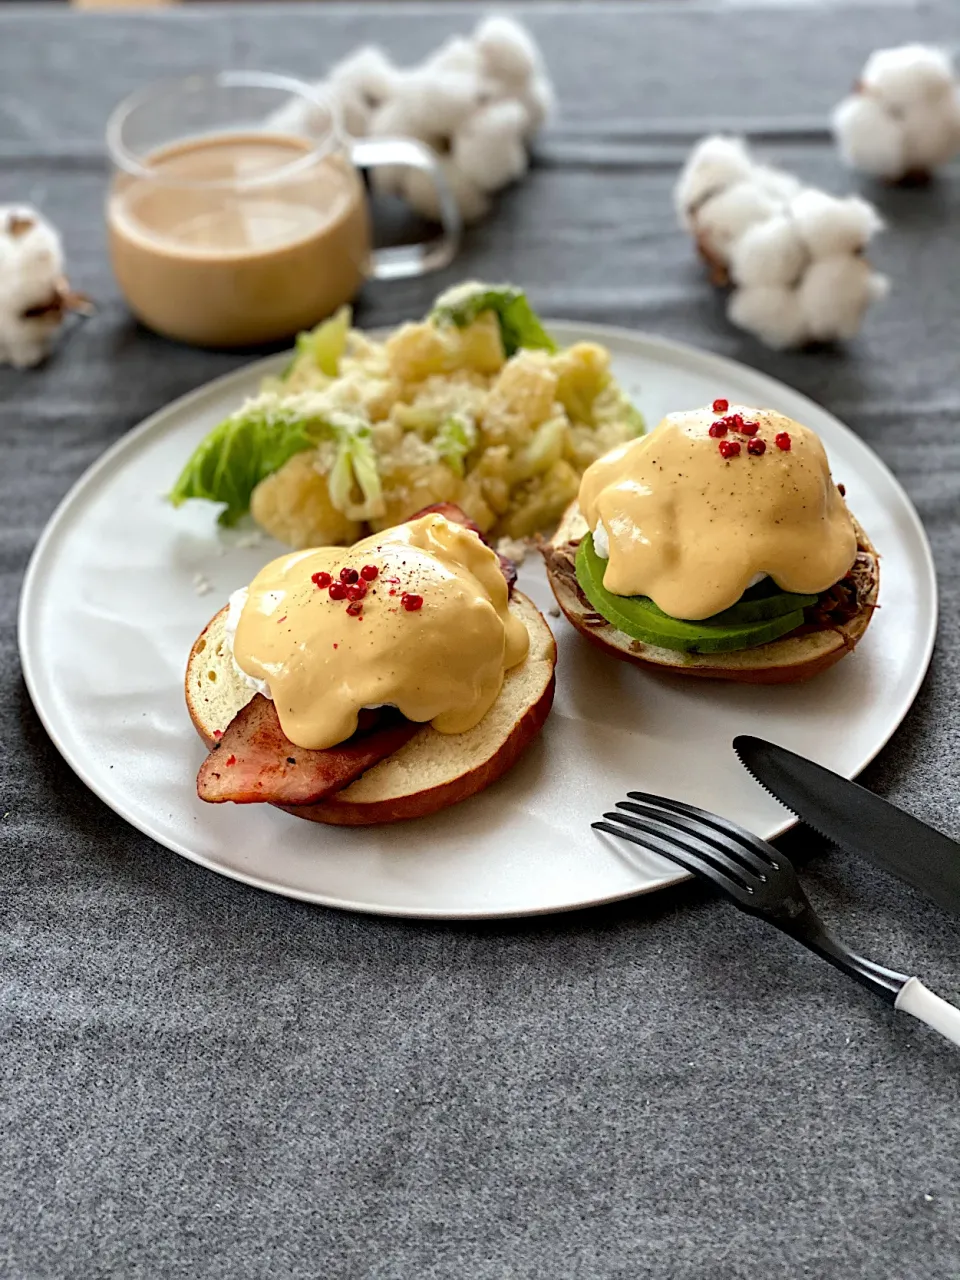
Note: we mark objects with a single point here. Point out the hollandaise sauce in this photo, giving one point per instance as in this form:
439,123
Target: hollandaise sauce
714,498
415,617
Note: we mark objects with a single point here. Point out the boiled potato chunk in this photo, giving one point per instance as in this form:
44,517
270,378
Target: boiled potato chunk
522,397
542,502
583,371
406,490
419,351
480,346
293,506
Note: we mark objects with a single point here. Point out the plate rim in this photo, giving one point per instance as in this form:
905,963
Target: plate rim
680,351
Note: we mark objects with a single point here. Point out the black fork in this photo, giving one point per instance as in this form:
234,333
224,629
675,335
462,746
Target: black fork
754,875
758,879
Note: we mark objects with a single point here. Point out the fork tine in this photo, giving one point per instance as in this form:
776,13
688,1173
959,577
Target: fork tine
714,834
691,862
724,862
720,825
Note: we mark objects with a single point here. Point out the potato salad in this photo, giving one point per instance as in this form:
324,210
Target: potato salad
474,405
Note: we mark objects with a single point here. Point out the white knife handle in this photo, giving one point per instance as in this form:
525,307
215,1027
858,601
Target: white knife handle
920,1002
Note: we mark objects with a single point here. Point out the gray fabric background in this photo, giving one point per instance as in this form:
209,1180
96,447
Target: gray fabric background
200,1080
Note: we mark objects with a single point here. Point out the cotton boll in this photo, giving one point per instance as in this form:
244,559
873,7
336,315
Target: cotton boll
483,97
395,119
768,253
401,117
432,104
507,50
456,54
511,67
775,182
715,163
835,293
931,137
356,87
361,84
355,115
368,71
905,117
829,225
792,253
451,99
869,138
725,217
417,189
772,314
415,109
907,74
24,344
32,257
489,148
420,192
31,280
439,104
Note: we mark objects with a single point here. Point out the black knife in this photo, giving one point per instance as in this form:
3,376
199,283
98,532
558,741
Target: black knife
858,820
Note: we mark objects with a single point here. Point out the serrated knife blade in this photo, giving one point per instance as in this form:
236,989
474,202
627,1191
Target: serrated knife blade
859,821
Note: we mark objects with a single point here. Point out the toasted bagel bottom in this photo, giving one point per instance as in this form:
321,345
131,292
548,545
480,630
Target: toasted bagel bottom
428,773
801,655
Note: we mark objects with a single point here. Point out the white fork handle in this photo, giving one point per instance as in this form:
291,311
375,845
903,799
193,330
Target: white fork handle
920,1002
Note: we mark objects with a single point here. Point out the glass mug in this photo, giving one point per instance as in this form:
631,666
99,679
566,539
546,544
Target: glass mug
229,229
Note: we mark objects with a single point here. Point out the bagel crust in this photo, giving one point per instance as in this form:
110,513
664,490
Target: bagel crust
342,811
801,655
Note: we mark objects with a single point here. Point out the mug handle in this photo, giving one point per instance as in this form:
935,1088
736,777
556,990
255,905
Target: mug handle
401,261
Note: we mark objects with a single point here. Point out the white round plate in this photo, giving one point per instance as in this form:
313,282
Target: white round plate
110,608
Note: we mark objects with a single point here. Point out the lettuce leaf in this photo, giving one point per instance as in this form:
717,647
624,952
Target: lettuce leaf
253,443
355,463
456,437
322,347
519,324
544,449
229,463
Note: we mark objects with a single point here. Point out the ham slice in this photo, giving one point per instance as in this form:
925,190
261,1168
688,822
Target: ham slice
255,762
456,515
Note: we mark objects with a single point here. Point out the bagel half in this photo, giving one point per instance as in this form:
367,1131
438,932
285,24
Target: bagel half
802,654
430,771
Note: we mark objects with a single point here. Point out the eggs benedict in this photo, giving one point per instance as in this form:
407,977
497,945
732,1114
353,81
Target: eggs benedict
371,683
717,545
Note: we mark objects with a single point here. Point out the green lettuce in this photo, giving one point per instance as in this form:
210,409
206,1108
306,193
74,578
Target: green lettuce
454,440
322,347
229,463
519,323
259,438
355,463
544,449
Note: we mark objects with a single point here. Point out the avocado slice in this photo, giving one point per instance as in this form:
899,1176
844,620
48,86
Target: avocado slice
765,600
640,618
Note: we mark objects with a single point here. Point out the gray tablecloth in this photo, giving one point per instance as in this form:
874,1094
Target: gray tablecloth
201,1080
